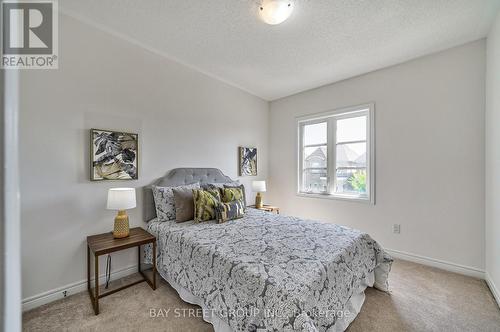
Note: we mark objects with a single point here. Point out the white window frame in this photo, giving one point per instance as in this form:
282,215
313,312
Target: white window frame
331,117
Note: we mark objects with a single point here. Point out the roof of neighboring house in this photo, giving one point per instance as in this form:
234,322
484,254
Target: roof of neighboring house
318,153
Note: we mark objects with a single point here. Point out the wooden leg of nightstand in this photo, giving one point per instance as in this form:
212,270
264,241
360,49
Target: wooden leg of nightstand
139,259
96,297
151,280
88,268
154,265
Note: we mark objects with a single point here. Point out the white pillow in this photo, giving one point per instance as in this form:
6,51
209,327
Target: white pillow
164,201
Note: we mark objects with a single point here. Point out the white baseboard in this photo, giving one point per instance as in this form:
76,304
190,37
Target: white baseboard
493,288
444,265
77,287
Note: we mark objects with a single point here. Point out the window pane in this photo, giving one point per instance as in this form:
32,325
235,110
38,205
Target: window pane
351,169
352,129
351,181
315,133
315,174
315,157
315,181
351,155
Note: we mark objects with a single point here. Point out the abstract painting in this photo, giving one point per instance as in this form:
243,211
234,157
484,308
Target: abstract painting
113,155
248,161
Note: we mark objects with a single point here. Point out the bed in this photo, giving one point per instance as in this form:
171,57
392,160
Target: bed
266,272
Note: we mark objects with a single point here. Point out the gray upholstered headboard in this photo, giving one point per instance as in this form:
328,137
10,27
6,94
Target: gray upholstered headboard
179,177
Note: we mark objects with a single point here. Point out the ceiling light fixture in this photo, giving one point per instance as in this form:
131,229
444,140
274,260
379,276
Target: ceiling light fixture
275,11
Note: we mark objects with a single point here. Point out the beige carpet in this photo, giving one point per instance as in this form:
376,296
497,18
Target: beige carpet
421,299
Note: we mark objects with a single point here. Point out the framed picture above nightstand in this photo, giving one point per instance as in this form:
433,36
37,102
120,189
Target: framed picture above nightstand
114,155
248,161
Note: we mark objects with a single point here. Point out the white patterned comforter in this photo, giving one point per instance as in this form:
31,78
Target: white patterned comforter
270,272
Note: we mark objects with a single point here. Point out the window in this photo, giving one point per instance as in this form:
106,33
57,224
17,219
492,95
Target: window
336,154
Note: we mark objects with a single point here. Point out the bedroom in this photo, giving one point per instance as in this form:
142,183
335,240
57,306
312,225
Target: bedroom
194,82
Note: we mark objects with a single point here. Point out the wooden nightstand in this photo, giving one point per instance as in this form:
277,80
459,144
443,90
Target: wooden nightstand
268,208
102,244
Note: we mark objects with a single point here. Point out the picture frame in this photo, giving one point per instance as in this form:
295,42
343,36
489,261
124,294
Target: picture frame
247,161
114,155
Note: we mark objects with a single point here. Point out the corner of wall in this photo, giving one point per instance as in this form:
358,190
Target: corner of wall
492,159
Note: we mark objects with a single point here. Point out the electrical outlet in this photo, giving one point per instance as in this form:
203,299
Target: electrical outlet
396,228
65,293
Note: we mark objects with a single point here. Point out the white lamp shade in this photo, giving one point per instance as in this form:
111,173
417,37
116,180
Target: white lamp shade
259,186
121,199
275,11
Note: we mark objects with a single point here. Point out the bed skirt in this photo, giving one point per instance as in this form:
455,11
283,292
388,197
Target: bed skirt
353,306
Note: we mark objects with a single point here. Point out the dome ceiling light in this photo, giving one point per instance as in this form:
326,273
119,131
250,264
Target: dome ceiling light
275,11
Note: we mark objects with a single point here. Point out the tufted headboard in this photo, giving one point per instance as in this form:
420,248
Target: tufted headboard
179,177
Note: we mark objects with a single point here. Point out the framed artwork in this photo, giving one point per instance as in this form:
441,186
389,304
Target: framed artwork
248,161
114,155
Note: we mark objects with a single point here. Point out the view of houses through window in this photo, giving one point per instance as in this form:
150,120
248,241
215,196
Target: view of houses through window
315,158
343,139
351,156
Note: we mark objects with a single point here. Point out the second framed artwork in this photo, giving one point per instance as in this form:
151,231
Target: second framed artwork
114,155
247,161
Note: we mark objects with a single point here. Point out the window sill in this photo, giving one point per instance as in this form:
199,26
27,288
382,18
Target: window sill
337,197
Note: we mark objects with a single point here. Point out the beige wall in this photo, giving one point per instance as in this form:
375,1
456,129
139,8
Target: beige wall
429,155
184,119
493,158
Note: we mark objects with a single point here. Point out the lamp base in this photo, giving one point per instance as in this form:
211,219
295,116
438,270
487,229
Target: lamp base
258,201
121,228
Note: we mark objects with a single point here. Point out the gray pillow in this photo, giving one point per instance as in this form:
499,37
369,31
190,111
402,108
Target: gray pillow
164,201
184,204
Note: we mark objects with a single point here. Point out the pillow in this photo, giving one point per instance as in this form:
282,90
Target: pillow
229,211
233,194
212,186
164,201
221,186
184,204
204,204
242,187
218,185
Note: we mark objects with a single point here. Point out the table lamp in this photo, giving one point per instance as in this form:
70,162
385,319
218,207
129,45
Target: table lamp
259,187
121,199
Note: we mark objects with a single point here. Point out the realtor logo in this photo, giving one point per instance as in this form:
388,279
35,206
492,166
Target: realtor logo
29,34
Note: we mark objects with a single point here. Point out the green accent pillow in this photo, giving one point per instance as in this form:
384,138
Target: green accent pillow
232,194
204,204
242,187
229,211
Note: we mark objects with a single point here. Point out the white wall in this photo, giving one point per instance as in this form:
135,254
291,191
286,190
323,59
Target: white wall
429,155
183,118
493,159
11,228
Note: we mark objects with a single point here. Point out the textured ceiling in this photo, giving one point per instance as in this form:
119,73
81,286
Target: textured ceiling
322,42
